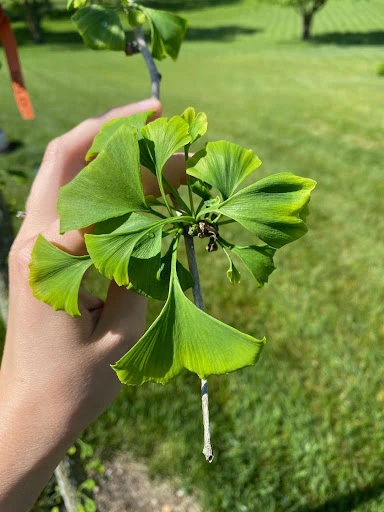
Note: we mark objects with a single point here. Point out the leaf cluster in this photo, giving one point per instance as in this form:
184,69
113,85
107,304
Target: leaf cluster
128,233
101,27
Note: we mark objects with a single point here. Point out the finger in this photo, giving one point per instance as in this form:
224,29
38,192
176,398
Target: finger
63,159
174,172
125,311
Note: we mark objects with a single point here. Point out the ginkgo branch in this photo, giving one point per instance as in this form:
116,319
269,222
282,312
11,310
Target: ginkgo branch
149,61
198,299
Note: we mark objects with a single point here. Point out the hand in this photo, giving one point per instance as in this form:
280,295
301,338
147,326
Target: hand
55,376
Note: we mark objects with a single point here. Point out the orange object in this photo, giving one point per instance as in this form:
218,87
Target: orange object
7,39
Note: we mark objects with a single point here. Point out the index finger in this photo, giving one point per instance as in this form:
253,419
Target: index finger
63,159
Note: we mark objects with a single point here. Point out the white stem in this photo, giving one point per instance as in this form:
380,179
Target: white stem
198,298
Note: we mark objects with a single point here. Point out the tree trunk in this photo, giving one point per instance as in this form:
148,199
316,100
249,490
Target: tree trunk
33,20
307,23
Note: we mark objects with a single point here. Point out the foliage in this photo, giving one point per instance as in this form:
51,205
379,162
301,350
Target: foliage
101,28
326,298
126,245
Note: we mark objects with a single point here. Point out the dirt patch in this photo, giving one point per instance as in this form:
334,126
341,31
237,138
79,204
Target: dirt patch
128,488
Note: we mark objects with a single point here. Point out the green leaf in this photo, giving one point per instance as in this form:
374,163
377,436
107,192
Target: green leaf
76,4
87,485
183,336
100,28
86,450
108,129
232,273
166,137
198,123
89,503
55,276
151,277
111,253
273,208
167,32
257,258
71,450
110,186
225,165
107,226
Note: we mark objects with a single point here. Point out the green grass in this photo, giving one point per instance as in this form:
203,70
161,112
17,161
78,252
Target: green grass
303,430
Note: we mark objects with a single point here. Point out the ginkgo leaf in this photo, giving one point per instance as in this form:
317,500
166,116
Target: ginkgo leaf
151,276
224,165
198,123
257,258
108,129
55,276
165,138
273,208
100,28
233,274
167,32
111,252
183,336
110,186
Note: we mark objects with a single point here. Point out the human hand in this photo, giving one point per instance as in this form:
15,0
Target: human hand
55,376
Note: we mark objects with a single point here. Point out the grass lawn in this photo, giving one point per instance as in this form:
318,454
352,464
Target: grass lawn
303,431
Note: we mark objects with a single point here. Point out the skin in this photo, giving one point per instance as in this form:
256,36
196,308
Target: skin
55,377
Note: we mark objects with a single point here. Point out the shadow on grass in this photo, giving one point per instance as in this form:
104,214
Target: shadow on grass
72,38
348,502
186,5
224,33
374,38
67,38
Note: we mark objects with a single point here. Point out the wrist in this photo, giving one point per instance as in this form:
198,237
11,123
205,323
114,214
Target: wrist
34,438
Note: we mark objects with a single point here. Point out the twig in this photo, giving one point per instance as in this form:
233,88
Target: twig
197,296
68,488
155,91
152,68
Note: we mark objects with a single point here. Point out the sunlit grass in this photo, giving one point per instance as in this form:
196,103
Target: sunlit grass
302,431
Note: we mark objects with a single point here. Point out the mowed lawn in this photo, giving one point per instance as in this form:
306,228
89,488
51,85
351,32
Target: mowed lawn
303,431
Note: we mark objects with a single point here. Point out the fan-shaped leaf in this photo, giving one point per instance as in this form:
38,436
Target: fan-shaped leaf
273,208
164,138
151,277
108,187
55,276
183,336
167,32
257,258
108,129
223,165
111,253
198,123
100,28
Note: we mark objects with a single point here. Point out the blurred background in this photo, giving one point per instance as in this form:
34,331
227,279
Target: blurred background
303,430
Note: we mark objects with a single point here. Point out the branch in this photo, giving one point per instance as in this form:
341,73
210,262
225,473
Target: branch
150,63
207,450
68,488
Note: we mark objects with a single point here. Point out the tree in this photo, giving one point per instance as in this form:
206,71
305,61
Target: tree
30,11
307,10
